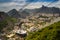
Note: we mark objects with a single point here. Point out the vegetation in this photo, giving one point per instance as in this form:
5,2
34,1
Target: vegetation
4,23
51,32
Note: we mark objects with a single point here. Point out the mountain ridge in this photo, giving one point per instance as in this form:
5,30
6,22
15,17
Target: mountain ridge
26,12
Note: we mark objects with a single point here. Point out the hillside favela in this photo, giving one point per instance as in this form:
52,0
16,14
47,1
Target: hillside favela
29,19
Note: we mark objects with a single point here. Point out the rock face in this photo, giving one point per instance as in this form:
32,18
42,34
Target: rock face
14,13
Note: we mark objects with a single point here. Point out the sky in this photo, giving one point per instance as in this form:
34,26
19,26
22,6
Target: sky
6,5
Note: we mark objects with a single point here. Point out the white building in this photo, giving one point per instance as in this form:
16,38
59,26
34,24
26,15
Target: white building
20,31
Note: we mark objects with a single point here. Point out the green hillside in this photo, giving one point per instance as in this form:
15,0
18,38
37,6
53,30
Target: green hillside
6,22
51,32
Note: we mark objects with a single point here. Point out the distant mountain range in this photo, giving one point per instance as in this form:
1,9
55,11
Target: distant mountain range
44,9
26,12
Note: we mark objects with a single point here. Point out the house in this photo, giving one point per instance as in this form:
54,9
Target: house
32,29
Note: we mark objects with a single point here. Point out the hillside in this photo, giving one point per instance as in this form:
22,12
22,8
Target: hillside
6,22
3,15
51,32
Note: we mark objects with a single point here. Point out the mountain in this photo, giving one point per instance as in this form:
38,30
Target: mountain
18,14
51,32
24,13
44,9
27,12
14,13
6,22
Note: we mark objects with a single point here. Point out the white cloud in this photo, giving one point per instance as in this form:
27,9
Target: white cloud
10,5
57,4
36,5
7,4
17,4
39,4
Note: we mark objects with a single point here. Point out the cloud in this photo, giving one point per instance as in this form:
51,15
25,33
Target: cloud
19,1
6,5
57,4
36,5
39,4
4,1
41,0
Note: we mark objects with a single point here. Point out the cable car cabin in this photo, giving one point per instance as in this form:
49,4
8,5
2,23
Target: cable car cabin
21,33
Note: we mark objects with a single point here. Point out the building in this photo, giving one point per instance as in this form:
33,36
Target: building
32,29
22,33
